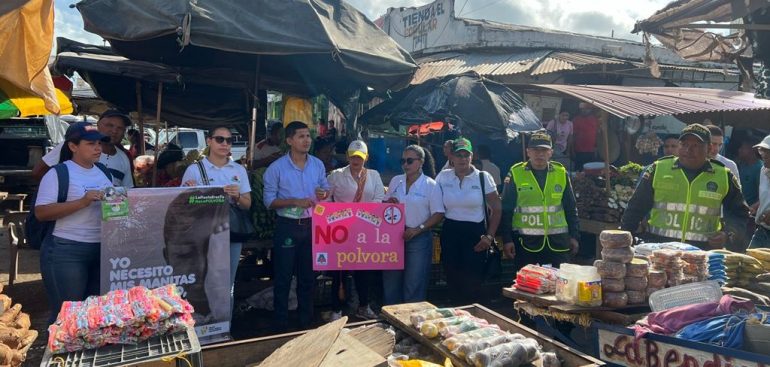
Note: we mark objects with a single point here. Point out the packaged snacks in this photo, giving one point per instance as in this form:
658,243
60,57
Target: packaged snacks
513,354
465,327
609,269
454,342
613,285
615,299
615,239
418,318
429,329
619,255
636,283
656,279
464,350
637,268
550,359
636,297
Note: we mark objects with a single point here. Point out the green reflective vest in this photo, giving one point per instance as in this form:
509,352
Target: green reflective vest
539,212
687,211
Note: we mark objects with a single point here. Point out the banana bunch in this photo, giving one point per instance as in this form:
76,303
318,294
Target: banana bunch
761,254
264,218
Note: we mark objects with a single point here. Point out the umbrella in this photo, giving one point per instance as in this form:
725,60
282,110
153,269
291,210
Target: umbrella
308,47
473,104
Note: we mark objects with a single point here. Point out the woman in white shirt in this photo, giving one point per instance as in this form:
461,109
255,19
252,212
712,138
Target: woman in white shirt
355,183
70,255
414,189
466,237
221,170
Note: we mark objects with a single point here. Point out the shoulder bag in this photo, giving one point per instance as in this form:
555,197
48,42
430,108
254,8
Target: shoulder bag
241,227
492,265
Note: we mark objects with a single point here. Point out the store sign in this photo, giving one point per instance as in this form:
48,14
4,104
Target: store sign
173,235
419,28
358,236
620,349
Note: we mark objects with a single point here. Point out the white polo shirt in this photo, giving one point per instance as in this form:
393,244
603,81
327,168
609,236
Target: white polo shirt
343,187
463,202
419,202
229,174
84,225
115,163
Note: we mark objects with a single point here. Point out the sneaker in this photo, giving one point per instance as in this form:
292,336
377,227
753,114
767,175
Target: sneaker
335,316
366,313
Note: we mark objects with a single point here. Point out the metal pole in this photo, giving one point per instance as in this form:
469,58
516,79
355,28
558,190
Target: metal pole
157,135
141,116
255,105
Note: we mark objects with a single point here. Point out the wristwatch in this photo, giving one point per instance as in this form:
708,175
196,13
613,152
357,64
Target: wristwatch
422,227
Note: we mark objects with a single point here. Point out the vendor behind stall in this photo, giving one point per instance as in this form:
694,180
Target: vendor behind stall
539,204
684,197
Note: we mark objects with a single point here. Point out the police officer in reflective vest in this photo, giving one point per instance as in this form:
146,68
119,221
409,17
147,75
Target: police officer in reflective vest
540,223
690,198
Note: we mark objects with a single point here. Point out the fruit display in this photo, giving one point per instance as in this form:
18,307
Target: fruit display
593,200
264,218
15,335
648,143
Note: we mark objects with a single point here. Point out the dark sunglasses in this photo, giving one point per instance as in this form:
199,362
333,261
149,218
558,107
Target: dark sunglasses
408,161
222,139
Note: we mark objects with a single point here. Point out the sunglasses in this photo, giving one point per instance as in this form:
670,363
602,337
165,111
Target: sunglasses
222,139
408,161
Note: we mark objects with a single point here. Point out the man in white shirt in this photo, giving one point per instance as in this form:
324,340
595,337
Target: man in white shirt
112,123
717,141
266,151
486,164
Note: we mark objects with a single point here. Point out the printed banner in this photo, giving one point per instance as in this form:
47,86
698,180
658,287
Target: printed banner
358,236
173,235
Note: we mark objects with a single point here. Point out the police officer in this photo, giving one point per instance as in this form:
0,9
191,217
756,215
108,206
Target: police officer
539,205
686,195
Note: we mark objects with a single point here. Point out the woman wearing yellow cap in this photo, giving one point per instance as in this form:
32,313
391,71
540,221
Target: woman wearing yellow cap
351,184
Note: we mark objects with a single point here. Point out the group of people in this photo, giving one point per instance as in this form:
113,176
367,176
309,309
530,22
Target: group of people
682,197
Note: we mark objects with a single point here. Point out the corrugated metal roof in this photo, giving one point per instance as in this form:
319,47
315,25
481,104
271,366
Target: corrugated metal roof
646,101
482,63
579,59
551,65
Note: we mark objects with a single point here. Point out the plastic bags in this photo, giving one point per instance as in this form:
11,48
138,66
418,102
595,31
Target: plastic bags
511,354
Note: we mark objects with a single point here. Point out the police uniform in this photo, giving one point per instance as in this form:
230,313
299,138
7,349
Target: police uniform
687,205
539,206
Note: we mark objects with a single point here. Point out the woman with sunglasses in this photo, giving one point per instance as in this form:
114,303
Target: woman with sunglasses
351,184
414,189
221,170
467,235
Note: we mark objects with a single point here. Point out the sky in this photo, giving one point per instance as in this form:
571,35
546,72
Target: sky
595,17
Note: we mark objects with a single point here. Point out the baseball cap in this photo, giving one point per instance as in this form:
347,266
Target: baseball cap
84,131
765,143
697,130
116,113
358,148
540,140
462,144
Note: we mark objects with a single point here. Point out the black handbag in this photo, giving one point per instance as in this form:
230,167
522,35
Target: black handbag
492,262
241,227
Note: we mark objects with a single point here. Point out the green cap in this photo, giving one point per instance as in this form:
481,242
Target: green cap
462,144
697,130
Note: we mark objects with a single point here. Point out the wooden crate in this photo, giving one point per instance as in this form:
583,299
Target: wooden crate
398,316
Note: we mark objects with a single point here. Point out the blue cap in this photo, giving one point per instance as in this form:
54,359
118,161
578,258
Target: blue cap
84,131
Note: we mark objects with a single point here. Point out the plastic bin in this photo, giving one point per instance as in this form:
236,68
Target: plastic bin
184,345
686,294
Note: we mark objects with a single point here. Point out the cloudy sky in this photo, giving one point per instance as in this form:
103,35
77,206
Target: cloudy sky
597,17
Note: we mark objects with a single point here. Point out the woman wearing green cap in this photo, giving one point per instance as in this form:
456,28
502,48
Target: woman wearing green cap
468,231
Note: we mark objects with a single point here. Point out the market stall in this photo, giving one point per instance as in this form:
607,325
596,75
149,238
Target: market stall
672,294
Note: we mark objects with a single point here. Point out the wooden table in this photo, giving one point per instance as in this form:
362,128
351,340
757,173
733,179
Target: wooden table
596,227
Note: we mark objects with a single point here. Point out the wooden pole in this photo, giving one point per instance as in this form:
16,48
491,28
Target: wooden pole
157,135
255,105
605,123
141,116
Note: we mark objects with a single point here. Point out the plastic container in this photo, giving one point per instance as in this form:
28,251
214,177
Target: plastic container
594,168
566,288
589,287
687,294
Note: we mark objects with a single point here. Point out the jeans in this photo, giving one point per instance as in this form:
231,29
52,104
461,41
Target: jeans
235,258
761,238
410,284
73,271
292,254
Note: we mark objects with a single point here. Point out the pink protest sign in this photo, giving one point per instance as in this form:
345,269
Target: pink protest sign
358,236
